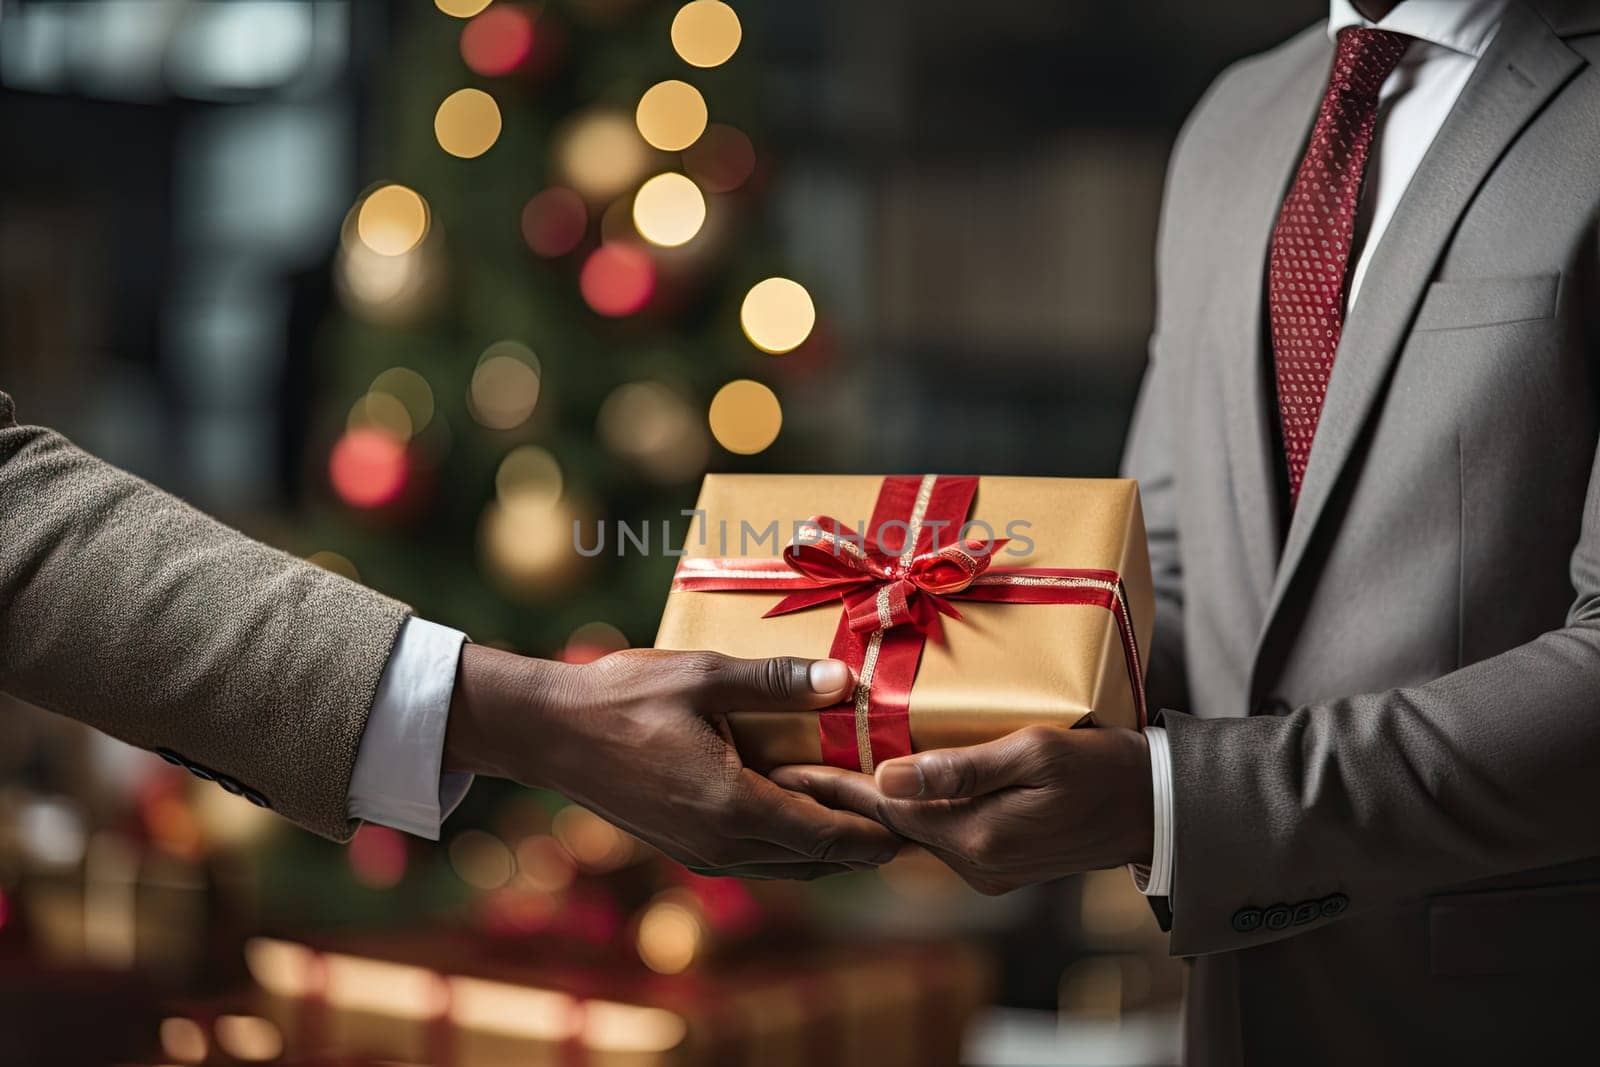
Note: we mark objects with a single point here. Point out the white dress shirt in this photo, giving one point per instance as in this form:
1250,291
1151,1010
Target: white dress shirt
398,779
1450,36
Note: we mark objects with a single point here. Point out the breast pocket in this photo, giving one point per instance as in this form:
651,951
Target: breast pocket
1460,305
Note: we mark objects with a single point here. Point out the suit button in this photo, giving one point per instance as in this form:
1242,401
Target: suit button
1334,904
1306,911
1277,917
170,756
1274,707
255,798
1246,920
205,774
229,785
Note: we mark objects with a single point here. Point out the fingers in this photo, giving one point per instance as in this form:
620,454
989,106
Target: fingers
810,830
782,683
946,774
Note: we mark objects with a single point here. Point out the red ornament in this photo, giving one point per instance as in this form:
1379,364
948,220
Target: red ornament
554,221
618,279
368,468
498,41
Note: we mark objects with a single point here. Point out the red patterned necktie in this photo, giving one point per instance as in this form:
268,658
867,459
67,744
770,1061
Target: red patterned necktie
1310,257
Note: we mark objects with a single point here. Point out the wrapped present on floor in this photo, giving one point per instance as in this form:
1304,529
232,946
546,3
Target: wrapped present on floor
968,607
458,1001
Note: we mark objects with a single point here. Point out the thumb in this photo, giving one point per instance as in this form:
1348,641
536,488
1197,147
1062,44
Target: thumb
957,772
781,683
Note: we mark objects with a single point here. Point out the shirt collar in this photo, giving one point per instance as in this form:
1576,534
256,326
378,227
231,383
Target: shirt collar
1464,26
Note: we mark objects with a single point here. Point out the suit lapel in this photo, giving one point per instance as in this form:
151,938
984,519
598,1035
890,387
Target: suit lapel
1523,67
1274,137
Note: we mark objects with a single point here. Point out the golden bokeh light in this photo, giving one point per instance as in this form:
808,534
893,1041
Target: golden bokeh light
528,477
777,315
467,124
530,552
669,210
393,990
671,115
392,220
249,1038
630,1030
505,386
655,428
183,1040
706,33
543,865
461,9
600,636
332,561
282,968
412,390
481,860
600,154
595,844
381,411
515,1011
669,937
745,417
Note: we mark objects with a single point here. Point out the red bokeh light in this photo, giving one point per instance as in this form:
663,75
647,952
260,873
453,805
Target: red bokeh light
554,221
377,857
5,911
368,468
498,41
618,279
721,160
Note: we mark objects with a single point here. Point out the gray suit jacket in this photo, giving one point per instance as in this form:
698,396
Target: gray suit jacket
125,608
1385,707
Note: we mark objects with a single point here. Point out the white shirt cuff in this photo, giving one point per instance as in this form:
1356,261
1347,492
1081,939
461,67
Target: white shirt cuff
1156,879
397,780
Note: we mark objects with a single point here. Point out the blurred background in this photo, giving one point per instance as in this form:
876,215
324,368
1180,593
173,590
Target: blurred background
407,288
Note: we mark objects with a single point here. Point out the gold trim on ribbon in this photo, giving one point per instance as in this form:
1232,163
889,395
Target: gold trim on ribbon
869,666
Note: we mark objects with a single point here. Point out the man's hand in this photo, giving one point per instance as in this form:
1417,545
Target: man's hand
633,738
1038,804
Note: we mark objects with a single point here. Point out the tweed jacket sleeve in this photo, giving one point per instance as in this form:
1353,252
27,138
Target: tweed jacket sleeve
125,608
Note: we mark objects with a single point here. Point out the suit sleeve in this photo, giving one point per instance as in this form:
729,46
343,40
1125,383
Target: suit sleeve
1369,799
125,608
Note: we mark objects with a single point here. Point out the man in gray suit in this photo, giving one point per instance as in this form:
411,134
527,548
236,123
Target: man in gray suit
1367,448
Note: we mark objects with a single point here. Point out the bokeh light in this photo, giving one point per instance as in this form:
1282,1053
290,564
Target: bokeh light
461,9
183,1040
505,386
554,221
670,935
617,279
368,468
249,1038
481,860
595,844
745,417
377,856
410,389
528,477
706,33
591,641
528,551
392,220
671,115
777,315
467,124
655,428
543,865
669,210
600,154
332,561
498,41
381,411
721,160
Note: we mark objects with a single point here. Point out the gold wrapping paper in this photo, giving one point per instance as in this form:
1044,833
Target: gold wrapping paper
1000,667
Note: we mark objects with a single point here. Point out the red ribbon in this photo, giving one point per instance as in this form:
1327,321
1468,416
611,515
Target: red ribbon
894,584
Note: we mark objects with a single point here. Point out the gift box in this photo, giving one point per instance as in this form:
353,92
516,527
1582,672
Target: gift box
458,1001
968,607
